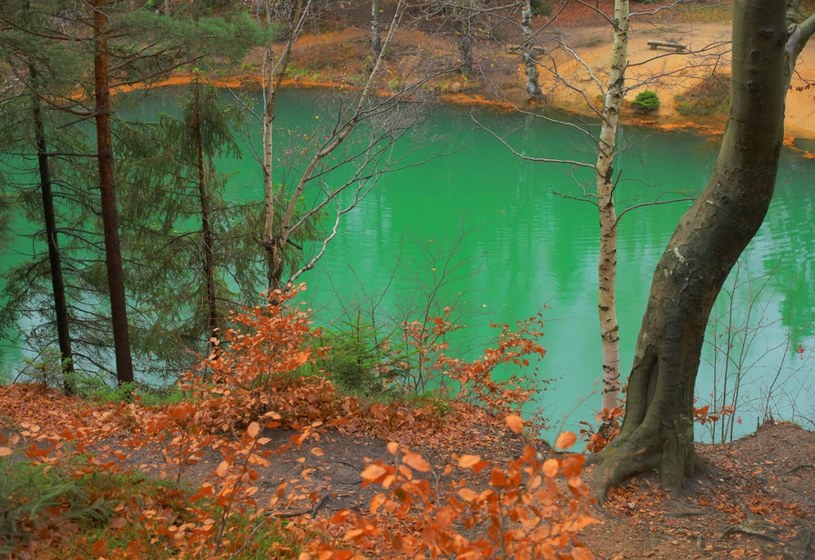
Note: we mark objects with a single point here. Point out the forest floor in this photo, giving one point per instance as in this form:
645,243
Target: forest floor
755,497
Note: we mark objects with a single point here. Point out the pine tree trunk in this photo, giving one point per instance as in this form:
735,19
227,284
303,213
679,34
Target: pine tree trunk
658,428
54,259
107,187
607,267
206,227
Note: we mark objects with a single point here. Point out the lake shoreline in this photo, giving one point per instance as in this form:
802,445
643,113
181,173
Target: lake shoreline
663,122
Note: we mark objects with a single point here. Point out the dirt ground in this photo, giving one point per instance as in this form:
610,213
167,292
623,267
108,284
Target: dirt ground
426,45
754,499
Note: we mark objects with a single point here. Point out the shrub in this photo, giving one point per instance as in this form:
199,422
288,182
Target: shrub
646,102
541,8
710,97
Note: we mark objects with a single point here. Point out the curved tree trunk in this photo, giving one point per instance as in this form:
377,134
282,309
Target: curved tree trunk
607,265
658,428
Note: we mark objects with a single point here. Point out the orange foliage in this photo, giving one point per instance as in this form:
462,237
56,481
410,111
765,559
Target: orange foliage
248,387
610,422
520,512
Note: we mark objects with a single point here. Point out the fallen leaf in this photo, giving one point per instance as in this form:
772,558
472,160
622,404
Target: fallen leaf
468,461
416,461
514,423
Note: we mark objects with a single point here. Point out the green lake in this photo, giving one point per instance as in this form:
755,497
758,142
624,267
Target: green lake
515,243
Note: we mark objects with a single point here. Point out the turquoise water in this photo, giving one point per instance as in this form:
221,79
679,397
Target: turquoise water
515,243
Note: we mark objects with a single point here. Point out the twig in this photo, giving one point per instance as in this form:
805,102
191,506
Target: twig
297,513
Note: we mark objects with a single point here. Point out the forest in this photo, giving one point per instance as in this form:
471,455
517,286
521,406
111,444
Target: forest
345,279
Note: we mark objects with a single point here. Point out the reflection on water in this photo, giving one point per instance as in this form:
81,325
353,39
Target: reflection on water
522,244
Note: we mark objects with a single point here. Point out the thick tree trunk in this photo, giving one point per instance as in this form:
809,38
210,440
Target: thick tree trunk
607,266
54,259
658,428
206,227
107,187
533,88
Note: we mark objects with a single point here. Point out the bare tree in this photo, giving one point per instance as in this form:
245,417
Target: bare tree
282,218
613,88
658,428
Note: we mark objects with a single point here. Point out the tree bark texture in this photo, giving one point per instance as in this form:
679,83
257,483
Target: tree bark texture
533,88
54,259
657,431
273,242
607,265
376,40
462,24
206,227
107,187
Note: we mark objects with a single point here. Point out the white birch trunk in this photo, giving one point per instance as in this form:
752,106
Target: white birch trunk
607,268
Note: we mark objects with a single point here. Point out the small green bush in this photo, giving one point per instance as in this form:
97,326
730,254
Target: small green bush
354,358
541,8
646,102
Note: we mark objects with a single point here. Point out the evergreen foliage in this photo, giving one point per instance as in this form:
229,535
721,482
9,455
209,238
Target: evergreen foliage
646,102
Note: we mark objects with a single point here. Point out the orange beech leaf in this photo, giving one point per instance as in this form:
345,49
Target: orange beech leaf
514,423
580,553
99,548
565,440
377,501
373,472
467,495
253,429
341,516
417,462
353,533
468,461
498,477
393,447
5,451
222,469
317,452
302,358
550,468
573,465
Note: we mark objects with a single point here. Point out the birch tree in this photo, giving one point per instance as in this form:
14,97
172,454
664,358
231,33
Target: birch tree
657,431
282,218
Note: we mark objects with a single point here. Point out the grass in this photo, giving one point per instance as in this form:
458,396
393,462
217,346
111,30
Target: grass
74,512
